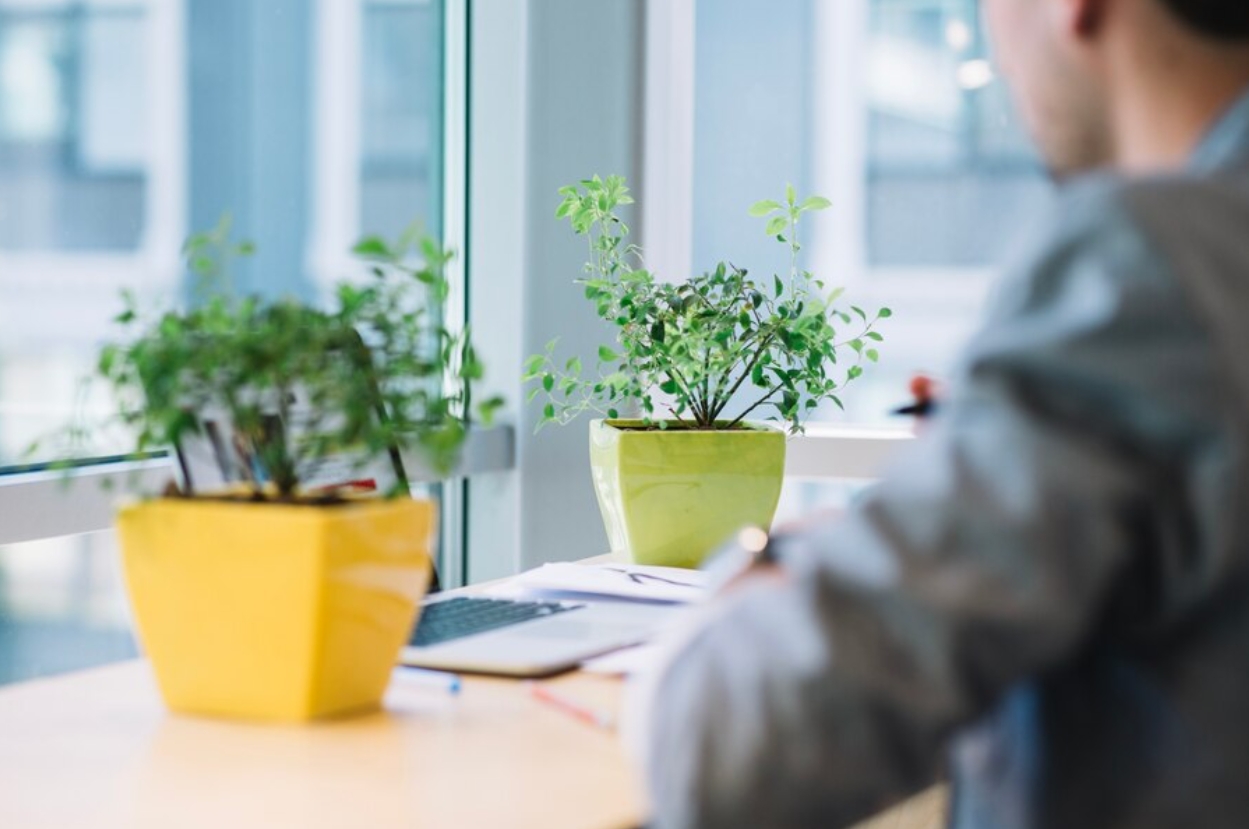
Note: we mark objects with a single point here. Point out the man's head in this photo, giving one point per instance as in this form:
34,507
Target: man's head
1074,66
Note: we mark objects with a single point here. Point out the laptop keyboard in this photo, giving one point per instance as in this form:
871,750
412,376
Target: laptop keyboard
456,618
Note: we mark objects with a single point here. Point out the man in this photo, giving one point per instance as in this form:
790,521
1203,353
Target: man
1048,602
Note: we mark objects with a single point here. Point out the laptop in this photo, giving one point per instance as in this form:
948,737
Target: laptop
510,637
454,631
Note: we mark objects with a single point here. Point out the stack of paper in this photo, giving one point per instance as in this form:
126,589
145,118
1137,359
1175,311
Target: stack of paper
620,582
625,662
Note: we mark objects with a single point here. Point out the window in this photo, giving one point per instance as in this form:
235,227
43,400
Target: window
889,108
61,607
401,116
91,192
125,124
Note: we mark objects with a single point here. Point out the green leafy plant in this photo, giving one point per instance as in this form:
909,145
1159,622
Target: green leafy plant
709,352
376,370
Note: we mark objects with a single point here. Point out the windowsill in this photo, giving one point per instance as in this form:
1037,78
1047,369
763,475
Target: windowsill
48,504
843,452
52,503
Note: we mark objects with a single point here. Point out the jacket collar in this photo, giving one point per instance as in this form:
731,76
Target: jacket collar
1227,142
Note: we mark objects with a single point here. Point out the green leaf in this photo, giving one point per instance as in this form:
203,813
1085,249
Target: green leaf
875,336
885,313
606,355
791,195
764,208
373,246
548,382
816,203
777,226
780,286
873,355
490,408
533,366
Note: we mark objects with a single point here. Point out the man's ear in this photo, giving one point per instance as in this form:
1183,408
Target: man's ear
1085,18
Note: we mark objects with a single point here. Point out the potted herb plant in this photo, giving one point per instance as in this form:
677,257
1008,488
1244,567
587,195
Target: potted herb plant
278,598
677,463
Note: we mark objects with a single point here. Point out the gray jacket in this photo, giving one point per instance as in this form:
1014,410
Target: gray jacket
1047,600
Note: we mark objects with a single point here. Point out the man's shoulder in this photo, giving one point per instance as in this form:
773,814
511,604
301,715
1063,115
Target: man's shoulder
1165,230
1168,216
1109,248
1093,238
1122,258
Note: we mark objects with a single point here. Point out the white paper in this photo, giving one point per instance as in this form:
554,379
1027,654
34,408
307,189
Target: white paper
623,663
615,581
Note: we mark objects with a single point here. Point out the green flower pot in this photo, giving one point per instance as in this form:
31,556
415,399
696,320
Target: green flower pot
673,497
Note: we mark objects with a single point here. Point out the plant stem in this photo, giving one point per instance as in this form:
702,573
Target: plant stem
676,377
705,401
765,399
793,252
763,347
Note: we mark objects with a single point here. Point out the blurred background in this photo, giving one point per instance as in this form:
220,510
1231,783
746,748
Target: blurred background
126,124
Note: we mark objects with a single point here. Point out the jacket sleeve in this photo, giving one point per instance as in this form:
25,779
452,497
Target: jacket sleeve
993,550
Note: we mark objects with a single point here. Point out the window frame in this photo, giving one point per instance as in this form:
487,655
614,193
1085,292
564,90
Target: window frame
484,516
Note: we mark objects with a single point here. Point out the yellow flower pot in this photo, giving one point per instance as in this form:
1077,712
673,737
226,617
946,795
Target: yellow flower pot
673,497
275,612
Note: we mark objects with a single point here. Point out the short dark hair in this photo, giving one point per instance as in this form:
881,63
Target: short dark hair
1218,19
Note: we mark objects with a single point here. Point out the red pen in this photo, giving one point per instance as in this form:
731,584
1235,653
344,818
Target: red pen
573,709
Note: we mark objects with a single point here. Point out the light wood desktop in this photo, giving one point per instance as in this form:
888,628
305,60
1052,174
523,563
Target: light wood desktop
96,749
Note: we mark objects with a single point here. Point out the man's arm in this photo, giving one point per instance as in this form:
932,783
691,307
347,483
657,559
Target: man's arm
991,553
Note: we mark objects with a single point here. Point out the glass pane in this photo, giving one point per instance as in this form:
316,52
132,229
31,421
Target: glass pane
401,107
752,123
73,109
949,168
62,607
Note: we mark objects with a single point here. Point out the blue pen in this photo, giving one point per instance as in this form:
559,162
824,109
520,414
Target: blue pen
451,683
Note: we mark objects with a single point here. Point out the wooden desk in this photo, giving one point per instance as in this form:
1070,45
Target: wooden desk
96,749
